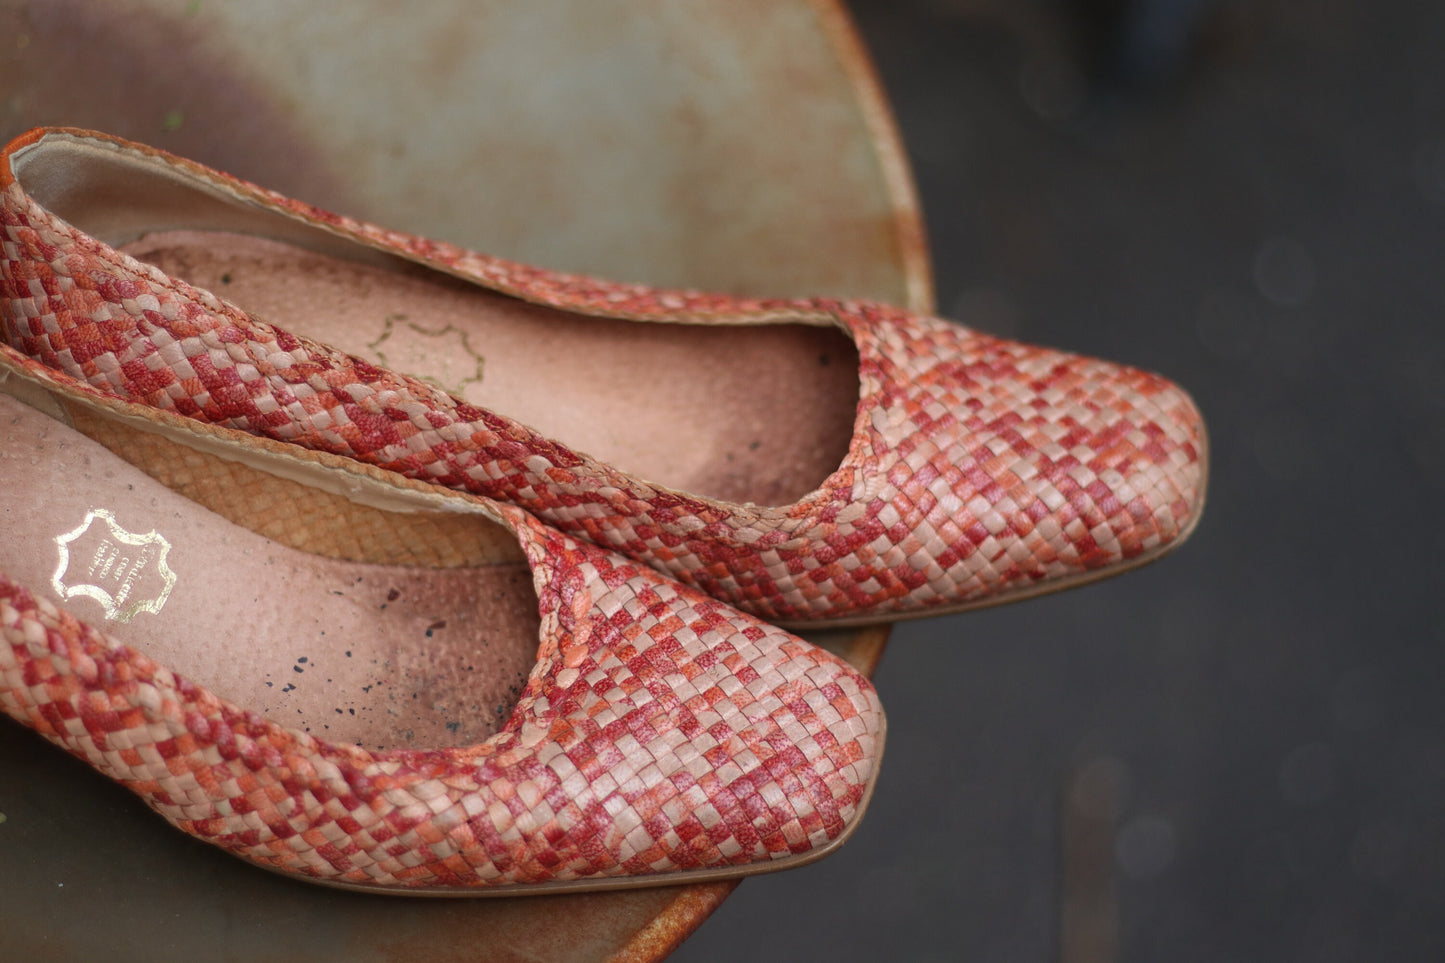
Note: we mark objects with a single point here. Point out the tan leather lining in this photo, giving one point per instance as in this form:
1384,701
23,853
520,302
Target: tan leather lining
303,517
116,194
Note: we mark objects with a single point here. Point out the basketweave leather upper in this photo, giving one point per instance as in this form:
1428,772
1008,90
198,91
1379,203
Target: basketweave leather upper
980,468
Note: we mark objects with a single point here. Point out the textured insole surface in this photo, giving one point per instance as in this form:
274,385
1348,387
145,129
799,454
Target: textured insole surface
381,655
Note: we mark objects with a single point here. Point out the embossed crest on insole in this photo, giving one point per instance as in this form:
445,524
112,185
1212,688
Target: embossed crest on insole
441,355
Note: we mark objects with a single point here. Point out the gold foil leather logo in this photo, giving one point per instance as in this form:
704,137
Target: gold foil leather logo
125,572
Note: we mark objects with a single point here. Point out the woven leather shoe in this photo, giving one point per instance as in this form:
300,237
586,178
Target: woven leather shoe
806,461
516,712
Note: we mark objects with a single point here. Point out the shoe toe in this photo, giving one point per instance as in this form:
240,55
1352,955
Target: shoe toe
1077,463
1015,469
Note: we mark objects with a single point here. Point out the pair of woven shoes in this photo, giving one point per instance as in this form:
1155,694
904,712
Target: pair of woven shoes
456,575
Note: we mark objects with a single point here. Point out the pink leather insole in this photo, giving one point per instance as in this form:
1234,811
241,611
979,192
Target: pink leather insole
381,655
741,413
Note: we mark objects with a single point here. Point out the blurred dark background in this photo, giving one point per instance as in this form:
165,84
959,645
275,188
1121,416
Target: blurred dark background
1238,753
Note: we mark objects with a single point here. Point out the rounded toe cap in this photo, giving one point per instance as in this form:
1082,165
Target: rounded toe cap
1013,470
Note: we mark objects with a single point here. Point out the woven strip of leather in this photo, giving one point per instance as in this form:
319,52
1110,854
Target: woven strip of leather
669,733
979,466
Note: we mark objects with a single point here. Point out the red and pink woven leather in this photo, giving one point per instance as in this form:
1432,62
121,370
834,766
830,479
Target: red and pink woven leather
980,469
